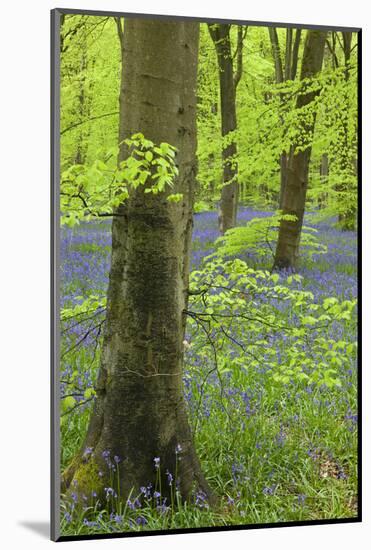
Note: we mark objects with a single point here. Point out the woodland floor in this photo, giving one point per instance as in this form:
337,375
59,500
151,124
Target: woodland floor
272,452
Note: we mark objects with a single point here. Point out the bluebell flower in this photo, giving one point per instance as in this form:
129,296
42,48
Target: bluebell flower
89,523
110,492
88,451
269,490
201,500
169,477
68,517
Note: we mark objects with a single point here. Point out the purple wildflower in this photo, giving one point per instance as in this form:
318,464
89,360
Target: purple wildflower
169,477
268,491
110,492
201,499
68,517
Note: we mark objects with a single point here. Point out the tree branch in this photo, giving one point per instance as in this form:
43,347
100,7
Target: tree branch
120,31
239,52
87,120
276,54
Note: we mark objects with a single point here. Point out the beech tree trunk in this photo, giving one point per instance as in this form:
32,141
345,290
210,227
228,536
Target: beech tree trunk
293,201
83,106
283,177
229,194
291,63
324,173
295,54
140,413
347,215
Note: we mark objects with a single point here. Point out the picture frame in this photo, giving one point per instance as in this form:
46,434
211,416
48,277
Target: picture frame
56,294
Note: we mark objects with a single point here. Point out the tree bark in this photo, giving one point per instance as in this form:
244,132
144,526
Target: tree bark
287,250
276,51
288,54
239,54
283,177
291,63
140,412
279,74
347,213
227,84
83,106
295,54
323,172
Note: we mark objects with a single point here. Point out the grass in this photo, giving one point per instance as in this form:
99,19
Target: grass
272,452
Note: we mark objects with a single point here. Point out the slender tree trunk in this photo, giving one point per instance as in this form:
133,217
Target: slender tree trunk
288,54
332,48
229,195
287,250
324,172
83,107
283,74
295,54
239,55
280,76
140,411
283,177
347,45
347,213
276,51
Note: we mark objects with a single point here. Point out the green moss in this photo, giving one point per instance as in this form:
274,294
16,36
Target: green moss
87,477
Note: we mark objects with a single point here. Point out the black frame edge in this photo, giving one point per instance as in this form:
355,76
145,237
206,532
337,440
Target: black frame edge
107,13
192,530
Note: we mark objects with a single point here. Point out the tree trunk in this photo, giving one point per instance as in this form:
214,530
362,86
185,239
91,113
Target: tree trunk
279,74
239,55
283,177
83,107
291,62
295,54
323,172
276,52
140,413
347,209
288,54
293,202
229,195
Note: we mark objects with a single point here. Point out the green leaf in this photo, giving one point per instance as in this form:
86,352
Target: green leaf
67,403
309,320
88,393
175,197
